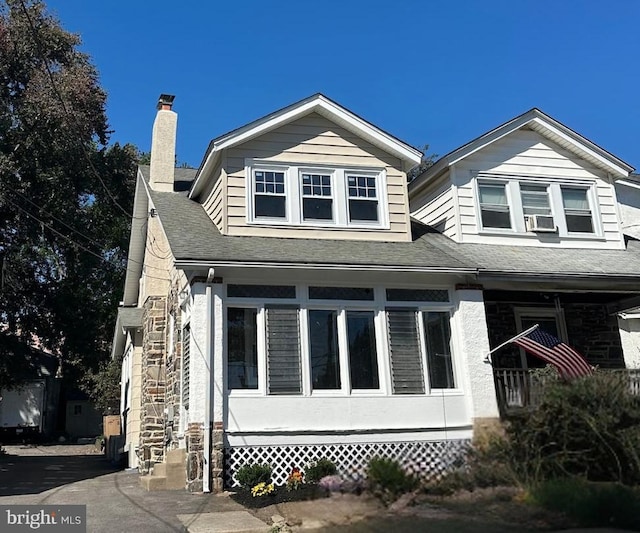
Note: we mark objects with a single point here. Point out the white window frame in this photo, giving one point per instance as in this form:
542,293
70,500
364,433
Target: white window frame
332,181
339,190
540,312
554,190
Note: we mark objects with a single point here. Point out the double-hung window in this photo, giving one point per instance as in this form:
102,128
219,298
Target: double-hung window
535,199
363,198
270,200
330,197
317,199
494,207
577,212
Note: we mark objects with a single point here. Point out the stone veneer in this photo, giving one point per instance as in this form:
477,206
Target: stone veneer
195,457
590,330
152,423
173,366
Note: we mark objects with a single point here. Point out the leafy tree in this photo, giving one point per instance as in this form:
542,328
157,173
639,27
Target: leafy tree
65,196
428,160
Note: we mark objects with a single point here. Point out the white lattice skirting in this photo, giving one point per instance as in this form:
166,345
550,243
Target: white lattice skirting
425,459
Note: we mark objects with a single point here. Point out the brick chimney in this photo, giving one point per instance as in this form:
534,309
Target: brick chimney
163,145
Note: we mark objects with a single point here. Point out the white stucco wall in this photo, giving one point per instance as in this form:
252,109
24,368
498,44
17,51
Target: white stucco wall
199,365
630,338
473,346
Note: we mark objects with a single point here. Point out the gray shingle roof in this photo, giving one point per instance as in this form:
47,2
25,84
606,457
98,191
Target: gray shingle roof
203,242
193,237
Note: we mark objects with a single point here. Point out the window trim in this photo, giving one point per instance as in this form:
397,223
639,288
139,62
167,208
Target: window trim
379,307
294,197
554,190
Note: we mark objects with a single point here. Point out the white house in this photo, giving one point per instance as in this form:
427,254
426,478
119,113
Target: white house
294,298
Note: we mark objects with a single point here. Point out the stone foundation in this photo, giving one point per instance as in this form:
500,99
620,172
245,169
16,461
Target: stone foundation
195,454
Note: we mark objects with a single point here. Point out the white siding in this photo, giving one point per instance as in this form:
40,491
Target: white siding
435,207
315,140
527,154
628,194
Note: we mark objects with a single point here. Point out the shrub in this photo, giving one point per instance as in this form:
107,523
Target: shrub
387,478
253,474
591,504
319,469
587,427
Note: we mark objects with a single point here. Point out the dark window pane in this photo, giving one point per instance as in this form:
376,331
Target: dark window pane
363,361
366,210
323,341
417,295
579,223
404,348
317,209
340,293
270,206
495,219
242,351
261,291
438,340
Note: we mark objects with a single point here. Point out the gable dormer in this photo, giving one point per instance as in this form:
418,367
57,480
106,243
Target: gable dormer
313,170
531,181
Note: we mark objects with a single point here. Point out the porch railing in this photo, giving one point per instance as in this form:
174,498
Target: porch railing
518,389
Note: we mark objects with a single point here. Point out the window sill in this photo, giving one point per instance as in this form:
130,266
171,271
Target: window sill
317,225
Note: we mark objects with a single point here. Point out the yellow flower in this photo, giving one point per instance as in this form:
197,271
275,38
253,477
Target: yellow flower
262,489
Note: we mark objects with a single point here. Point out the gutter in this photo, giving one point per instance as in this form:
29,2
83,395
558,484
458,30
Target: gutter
192,263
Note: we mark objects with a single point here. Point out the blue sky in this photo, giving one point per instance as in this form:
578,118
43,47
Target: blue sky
436,72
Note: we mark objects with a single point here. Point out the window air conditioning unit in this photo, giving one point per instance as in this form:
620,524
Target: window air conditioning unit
540,223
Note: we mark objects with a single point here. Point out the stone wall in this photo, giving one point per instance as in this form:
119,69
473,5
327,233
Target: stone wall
590,330
152,425
194,437
173,372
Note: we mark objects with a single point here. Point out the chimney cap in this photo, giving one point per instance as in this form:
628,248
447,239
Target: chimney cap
165,101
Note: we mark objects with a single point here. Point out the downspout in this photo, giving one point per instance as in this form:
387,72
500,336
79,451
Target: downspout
206,460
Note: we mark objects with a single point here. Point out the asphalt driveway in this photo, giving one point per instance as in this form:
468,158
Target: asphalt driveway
115,502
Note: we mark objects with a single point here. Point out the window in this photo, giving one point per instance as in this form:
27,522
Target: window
577,212
338,343
494,208
186,364
363,358
77,409
323,349
363,198
242,348
317,201
269,194
406,355
322,196
438,343
283,351
535,200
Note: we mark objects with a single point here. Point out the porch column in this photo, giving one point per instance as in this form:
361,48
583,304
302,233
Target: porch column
218,399
473,343
199,380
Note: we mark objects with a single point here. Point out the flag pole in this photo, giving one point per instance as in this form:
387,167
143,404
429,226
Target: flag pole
487,359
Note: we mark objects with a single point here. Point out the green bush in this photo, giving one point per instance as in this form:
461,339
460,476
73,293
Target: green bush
387,478
315,471
587,427
591,504
251,474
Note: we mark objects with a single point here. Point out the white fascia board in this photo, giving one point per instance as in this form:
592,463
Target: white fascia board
580,146
409,155
188,264
627,183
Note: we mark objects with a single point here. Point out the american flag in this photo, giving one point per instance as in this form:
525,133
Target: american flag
569,363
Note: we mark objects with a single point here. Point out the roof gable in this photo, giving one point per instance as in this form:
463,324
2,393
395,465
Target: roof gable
547,127
314,104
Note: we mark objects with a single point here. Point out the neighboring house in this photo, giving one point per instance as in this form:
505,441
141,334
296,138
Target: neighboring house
294,299
535,206
30,410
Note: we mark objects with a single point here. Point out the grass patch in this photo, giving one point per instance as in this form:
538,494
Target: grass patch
591,504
